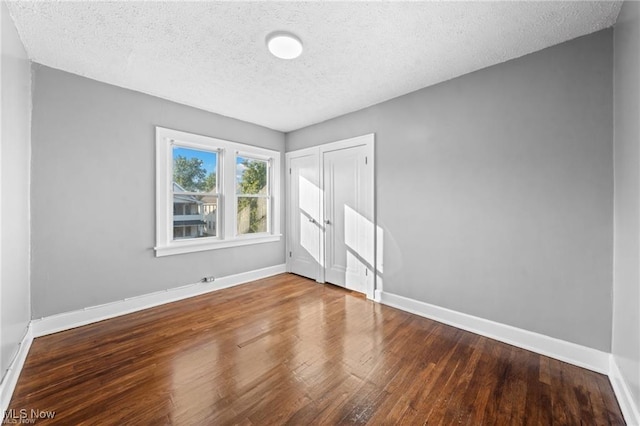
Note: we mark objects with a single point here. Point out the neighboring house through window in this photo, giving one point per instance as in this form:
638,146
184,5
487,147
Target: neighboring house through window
192,217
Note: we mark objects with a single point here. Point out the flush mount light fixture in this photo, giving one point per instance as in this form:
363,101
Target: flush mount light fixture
284,45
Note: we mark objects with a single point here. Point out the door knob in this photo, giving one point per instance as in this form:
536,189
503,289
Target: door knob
327,221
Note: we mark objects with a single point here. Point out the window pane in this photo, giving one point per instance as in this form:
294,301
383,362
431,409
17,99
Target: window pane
252,215
197,216
251,176
194,170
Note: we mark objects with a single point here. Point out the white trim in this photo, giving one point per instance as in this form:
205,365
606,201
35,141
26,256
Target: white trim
12,374
572,353
628,406
69,320
366,139
213,244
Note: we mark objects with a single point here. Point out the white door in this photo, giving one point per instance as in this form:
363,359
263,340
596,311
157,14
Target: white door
330,205
303,213
348,217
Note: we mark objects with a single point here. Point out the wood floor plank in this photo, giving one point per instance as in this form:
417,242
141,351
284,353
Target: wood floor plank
286,350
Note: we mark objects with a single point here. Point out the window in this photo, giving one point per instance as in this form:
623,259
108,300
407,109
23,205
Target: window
252,195
212,193
194,192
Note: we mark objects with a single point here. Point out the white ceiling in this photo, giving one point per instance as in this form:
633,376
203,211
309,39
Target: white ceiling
212,55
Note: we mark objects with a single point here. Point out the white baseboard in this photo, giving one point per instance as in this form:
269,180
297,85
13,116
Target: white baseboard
10,379
68,320
628,405
572,353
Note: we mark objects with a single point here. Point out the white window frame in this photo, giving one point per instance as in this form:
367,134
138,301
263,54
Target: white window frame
227,215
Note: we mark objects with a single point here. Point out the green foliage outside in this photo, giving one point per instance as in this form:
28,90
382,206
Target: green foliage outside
191,175
253,182
254,178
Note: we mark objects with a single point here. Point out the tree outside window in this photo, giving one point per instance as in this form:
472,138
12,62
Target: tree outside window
252,190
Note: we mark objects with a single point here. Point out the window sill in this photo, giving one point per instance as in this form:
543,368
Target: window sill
183,247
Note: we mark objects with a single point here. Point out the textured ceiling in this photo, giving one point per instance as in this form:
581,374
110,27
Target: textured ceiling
212,55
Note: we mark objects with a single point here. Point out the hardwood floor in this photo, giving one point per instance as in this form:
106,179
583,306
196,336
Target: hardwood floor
285,350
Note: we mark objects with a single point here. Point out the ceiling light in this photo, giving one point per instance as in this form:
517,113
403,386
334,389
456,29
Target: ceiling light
284,45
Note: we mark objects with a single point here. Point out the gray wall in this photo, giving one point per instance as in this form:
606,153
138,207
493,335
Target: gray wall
494,190
626,287
93,194
15,153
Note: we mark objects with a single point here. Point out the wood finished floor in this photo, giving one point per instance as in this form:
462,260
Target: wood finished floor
285,350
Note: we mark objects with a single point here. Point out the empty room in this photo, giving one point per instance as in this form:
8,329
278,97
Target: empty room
313,212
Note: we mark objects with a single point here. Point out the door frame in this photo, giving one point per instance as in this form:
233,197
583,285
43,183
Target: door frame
368,141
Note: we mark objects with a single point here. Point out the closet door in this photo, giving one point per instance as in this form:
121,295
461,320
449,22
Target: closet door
348,188
303,214
330,213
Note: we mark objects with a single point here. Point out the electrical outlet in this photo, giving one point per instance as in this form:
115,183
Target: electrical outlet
208,279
